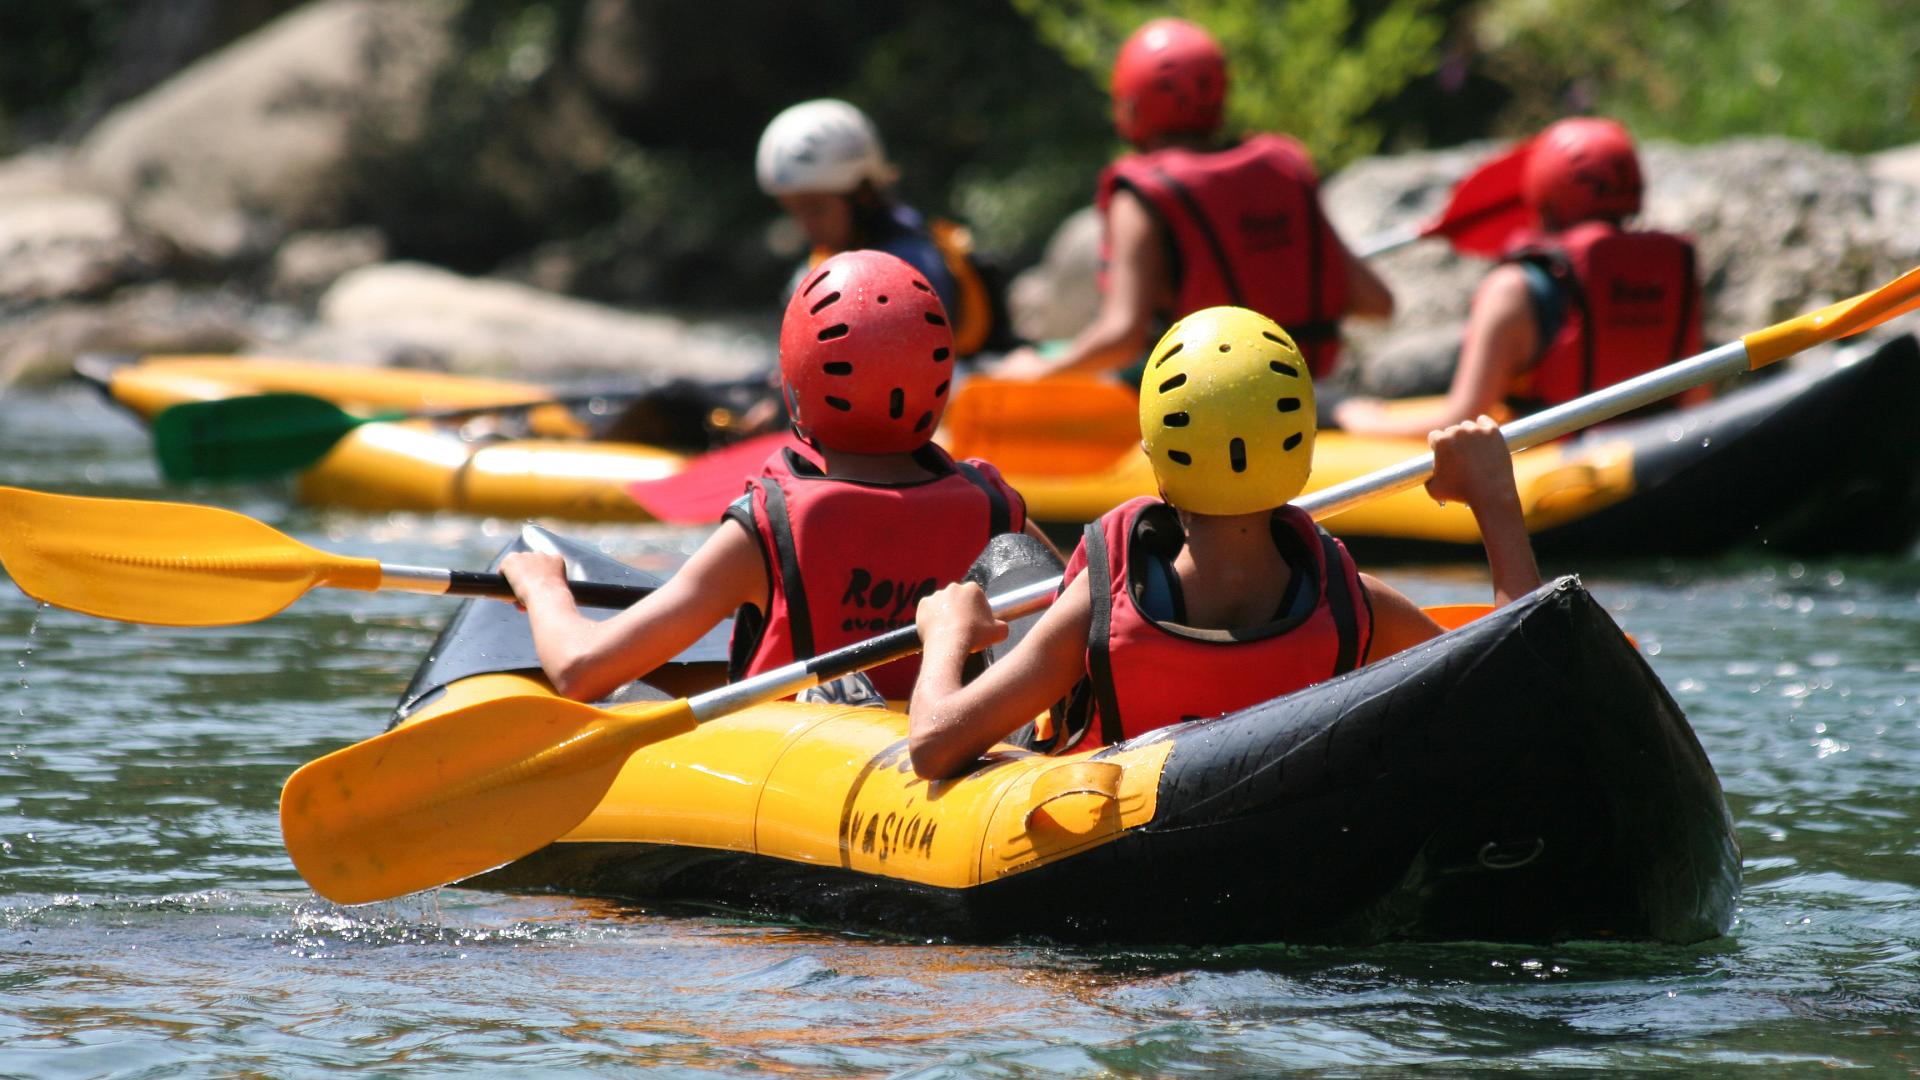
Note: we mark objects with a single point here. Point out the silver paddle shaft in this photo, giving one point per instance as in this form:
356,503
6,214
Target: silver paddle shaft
1544,426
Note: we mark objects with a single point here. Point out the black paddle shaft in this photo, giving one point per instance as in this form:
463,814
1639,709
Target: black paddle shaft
585,593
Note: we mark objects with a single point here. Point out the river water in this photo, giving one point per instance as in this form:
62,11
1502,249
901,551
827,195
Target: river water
151,925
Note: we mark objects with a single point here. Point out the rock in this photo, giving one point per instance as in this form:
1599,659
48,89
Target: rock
1061,295
1783,226
58,243
259,139
1901,166
308,262
158,318
480,326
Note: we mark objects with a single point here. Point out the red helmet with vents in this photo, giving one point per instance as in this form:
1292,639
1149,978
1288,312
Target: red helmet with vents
1580,169
1169,78
867,355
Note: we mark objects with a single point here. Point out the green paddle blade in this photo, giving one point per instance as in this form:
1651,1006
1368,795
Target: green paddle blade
247,438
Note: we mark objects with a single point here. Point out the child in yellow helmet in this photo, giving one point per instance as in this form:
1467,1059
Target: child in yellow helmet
1220,594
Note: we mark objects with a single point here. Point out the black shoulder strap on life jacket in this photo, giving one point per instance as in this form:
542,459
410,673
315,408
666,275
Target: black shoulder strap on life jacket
1340,601
1207,233
1560,268
999,514
1317,262
1099,630
780,527
750,621
1688,285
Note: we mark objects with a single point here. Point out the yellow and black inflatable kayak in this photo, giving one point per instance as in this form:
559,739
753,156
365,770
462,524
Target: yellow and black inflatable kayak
415,465
1810,461
1525,777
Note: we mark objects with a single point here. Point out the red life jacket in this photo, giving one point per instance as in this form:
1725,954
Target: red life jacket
1244,227
1633,304
1143,674
847,560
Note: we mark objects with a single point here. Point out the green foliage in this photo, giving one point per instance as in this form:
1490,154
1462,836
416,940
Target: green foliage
1313,68
1838,72
986,123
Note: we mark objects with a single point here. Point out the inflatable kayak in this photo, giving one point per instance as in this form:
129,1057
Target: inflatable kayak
1524,777
415,465
1813,461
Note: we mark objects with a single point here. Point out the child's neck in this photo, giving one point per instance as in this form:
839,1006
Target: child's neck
1232,575
873,468
1229,540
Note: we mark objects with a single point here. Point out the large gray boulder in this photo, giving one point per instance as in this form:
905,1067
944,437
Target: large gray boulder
420,314
260,138
59,243
1061,294
157,317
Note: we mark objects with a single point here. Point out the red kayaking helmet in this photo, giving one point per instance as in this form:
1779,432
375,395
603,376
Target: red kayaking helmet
867,355
1580,169
1170,78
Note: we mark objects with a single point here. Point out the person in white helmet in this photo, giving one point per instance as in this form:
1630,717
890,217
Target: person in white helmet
823,161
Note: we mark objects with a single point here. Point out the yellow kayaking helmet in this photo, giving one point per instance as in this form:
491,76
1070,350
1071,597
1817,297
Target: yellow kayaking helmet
1226,413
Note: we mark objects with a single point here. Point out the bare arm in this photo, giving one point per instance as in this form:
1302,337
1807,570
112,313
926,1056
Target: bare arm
1501,336
1136,274
951,725
1398,623
1367,293
586,660
1471,463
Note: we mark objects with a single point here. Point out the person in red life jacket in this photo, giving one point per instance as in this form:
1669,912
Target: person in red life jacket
1582,305
1191,224
815,555
1219,594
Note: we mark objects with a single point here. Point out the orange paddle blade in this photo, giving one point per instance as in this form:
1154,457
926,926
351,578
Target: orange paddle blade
460,793
1848,317
170,564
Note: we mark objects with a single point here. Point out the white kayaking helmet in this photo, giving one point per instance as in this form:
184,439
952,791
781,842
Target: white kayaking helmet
824,145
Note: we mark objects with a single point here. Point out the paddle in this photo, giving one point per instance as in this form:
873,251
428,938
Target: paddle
1481,217
173,564
262,436
473,788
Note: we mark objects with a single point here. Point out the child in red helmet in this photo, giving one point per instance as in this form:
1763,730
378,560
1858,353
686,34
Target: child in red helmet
1584,304
812,557
1192,222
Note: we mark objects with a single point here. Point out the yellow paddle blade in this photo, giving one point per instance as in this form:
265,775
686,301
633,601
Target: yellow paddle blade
171,564
1063,426
459,793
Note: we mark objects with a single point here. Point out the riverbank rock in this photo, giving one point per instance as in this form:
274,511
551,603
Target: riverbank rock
153,318
1060,296
259,139
307,263
421,314
59,243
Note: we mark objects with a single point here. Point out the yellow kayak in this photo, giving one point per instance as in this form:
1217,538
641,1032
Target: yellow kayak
1524,777
417,465
1738,470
